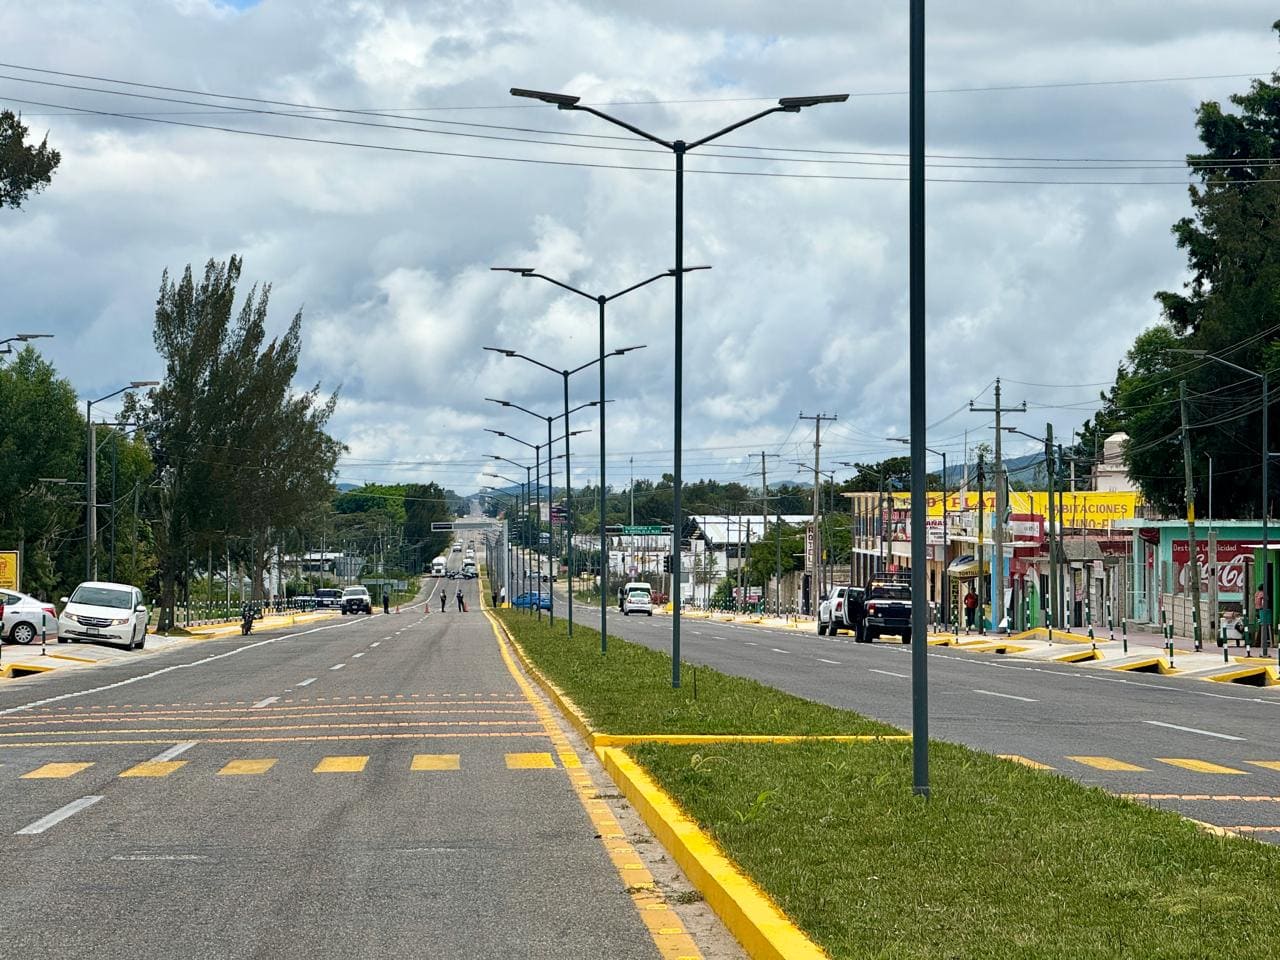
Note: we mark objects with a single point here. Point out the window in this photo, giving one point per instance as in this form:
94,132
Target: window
103,597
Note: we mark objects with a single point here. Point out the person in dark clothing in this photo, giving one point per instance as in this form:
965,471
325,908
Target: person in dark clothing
386,602
461,605
443,599
970,610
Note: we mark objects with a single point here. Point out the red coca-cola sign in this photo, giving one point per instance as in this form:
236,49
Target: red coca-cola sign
1230,561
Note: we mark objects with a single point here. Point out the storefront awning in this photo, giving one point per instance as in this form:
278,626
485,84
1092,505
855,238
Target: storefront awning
967,566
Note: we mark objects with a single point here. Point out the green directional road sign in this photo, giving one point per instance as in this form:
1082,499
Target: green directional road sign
642,530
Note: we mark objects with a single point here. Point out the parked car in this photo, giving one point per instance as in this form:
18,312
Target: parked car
832,612
884,608
328,598
22,617
111,612
530,601
356,600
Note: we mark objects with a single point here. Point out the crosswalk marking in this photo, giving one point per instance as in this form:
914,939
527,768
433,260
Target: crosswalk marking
434,761
530,761
155,768
1265,764
1200,766
1107,763
341,765
56,771
1025,761
245,768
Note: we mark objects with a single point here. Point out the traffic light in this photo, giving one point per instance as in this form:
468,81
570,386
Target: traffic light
666,563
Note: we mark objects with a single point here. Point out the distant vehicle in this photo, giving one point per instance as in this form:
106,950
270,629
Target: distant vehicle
884,608
635,597
328,598
22,617
356,600
457,548
837,610
469,569
529,601
439,566
113,612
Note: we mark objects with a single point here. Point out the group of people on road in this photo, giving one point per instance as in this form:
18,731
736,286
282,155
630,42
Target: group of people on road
444,598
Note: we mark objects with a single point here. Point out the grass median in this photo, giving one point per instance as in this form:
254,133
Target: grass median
1003,861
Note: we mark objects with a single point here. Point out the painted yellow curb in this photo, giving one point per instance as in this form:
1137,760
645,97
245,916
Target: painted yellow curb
1161,666
686,739
67,656
762,929
1267,671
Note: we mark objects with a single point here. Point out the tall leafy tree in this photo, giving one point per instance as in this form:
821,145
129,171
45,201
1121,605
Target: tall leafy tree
25,168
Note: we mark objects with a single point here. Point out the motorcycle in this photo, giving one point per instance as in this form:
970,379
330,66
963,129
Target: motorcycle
246,621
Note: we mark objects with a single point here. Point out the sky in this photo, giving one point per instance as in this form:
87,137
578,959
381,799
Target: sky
385,241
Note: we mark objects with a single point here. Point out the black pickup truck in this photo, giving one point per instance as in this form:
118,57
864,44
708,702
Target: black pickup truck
884,609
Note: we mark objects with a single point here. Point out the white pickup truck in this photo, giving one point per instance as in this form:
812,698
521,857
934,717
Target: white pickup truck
833,612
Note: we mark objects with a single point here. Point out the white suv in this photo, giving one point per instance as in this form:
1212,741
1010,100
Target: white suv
113,612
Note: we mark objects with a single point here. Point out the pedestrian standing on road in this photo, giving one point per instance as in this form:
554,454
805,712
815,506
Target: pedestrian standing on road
442,601
386,602
970,609
461,606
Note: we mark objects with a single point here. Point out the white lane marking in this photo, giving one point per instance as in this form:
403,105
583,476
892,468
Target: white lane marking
145,857
305,683
337,666
175,751
374,644
45,822
749,643
354,656
263,703
1005,696
819,659
774,649
163,670
1203,733
887,673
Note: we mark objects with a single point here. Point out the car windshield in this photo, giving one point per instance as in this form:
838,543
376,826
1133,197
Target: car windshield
327,593
103,597
355,592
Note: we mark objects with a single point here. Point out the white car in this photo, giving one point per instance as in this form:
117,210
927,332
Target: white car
111,612
25,617
635,598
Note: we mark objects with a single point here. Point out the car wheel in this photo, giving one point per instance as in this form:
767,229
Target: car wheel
22,633
906,638
822,629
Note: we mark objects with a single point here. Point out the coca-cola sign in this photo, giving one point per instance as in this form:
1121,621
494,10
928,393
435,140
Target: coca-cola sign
1230,561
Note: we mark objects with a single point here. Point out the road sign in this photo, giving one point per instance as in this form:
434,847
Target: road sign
642,530
10,574
438,526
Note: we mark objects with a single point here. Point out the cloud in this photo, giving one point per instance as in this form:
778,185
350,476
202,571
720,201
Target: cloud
388,253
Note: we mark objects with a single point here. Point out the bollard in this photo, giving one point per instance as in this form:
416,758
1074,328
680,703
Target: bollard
44,633
1124,634
1170,649
1226,654
1248,641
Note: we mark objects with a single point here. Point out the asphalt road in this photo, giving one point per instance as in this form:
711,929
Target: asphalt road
1210,751
366,787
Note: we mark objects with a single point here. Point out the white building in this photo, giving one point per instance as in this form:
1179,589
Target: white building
1110,475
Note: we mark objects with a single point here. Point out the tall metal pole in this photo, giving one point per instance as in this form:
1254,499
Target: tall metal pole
919,617
946,543
568,494
537,527
1190,494
1266,532
90,492
604,544
1054,521
551,483
678,147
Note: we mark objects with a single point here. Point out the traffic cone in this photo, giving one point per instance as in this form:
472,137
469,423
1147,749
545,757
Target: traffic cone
397,608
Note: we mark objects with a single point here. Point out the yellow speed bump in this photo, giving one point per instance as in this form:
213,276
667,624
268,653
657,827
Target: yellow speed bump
435,761
1200,766
530,761
341,765
246,768
56,771
155,768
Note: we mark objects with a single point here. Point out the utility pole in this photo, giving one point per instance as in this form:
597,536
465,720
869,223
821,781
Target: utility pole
1054,587
817,498
764,522
982,477
1001,503
1192,545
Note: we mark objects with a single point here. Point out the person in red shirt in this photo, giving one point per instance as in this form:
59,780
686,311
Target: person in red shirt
970,609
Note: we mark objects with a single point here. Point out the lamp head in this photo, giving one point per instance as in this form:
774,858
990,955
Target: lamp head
795,104
562,100
502,350
525,271
137,384
691,269
24,337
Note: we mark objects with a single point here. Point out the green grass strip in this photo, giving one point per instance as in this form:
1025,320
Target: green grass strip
629,690
1003,861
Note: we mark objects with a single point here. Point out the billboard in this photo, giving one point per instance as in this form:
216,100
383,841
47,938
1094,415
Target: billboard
10,574
1085,508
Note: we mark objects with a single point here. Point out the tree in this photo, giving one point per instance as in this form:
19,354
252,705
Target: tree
24,168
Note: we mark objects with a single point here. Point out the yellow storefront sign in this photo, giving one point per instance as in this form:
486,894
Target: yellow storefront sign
9,572
1085,508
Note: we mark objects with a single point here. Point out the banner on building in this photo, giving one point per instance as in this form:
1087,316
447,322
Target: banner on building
1086,508
10,574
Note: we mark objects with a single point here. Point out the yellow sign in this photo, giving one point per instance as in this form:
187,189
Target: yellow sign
9,572
1085,508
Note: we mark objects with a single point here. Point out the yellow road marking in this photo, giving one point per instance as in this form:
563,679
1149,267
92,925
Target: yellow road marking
665,927
155,768
351,764
530,761
246,768
1200,766
1025,761
312,739
1107,763
299,726
1265,764
434,761
56,771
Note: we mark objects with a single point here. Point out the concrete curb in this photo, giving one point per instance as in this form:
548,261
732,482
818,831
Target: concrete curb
762,929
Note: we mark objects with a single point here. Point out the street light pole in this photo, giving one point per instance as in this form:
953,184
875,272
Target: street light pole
568,479
946,578
601,300
91,472
679,148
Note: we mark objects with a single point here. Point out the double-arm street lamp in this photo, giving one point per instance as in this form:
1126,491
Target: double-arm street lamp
679,148
565,374
495,493
601,300
946,577
21,338
91,474
1265,614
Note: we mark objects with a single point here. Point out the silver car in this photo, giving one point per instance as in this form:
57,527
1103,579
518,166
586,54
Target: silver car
25,617
111,612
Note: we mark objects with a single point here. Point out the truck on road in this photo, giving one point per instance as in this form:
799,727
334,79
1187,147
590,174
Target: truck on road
884,609
439,566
